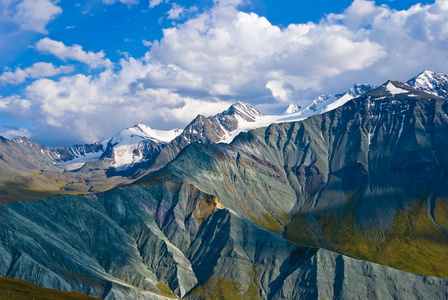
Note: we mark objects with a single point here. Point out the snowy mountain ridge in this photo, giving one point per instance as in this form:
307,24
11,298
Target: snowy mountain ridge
294,112
124,149
431,82
132,145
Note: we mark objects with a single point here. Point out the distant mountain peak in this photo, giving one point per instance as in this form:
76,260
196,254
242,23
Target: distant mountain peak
146,132
431,82
360,89
243,110
130,146
292,108
325,103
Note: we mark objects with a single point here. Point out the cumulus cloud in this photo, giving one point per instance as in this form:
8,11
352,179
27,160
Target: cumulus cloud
245,51
16,132
37,70
92,108
15,106
414,39
177,11
154,3
75,52
36,14
146,43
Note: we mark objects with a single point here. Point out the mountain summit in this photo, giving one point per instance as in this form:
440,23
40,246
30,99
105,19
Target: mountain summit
244,111
431,82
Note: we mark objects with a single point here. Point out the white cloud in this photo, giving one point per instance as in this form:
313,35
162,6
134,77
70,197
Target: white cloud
279,90
128,2
241,50
414,39
175,12
146,43
154,3
15,106
75,52
361,13
37,70
90,109
36,14
14,133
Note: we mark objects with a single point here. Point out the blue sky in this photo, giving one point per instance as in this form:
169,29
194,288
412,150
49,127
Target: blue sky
80,71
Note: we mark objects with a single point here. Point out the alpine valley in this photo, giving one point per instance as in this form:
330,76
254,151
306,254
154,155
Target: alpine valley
346,198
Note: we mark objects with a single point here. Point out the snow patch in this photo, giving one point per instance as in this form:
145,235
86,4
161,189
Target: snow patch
78,162
126,147
292,108
391,88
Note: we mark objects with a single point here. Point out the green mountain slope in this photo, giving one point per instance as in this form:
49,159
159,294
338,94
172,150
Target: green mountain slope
18,289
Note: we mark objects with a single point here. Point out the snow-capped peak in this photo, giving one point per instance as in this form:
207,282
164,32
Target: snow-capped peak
292,108
294,112
360,89
126,147
325,103
431,82
150,133
244,110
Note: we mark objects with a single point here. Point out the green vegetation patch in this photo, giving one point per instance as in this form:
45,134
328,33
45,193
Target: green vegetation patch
13,289
413,243
441,212
268,222
222,289
166,291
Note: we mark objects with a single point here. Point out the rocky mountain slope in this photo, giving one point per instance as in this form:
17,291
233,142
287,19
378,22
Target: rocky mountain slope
374,168
12,289
166,239
365,180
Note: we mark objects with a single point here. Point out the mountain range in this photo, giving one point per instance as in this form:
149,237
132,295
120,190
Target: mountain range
345,198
